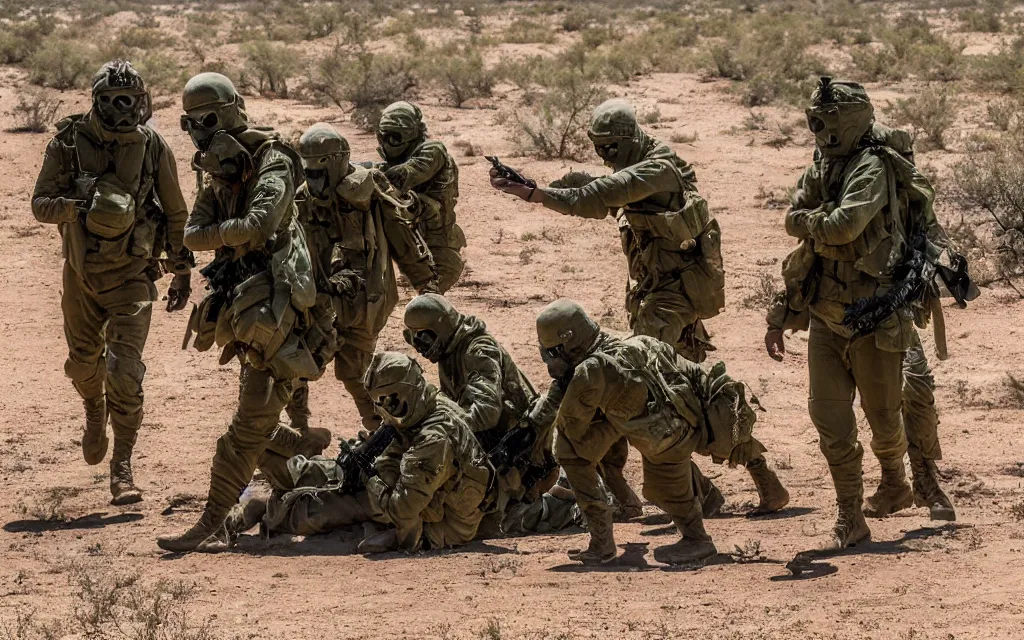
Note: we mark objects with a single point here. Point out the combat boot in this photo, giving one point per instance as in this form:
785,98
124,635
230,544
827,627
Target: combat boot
94,437
893,493
770,492
201,537
694,547
601,549
851,528
122,483
927,492
712,503
380,542
298,409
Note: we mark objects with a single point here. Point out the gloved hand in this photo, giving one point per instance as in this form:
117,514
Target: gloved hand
179,292
519,190
775,343
347,283
70,209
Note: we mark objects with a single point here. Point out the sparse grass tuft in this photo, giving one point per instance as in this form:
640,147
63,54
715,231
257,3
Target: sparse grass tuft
763,293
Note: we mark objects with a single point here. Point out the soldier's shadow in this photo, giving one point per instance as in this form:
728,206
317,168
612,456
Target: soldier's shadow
91,521
813,564
343,543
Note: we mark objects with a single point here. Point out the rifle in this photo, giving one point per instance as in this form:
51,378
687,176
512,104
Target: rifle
913,276
509,173
358,460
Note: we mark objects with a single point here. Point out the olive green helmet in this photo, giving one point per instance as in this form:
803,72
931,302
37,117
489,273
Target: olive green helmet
211,105
840,115
401,396
431,322
326,156
566,334
400,129
616,135
120,98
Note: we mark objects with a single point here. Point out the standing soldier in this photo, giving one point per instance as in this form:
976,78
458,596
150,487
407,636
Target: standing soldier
261,289
356,224
860,210
422,167
672,244
665,406
111,185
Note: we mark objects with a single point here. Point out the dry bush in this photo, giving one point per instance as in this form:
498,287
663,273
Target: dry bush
272,64
763,293
554,127
19,40
1002,70
49,505
987,19
931,113
992,180
161,72
1014,393
523,31
366,81
459,72
909,47
35,112
62,63
1004,114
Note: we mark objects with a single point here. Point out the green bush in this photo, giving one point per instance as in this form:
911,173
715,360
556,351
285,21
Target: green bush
161,72
932,112
909,47
988,19
19,40
524,31
366,81
62,63
459,73
272,64
1003,70
555,126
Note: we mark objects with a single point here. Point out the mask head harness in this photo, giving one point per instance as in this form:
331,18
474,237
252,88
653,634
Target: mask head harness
119,97
840,115
211,105
325,157
400,129
401,396
566,335
430,324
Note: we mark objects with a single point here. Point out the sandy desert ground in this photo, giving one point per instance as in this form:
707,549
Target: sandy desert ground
916,580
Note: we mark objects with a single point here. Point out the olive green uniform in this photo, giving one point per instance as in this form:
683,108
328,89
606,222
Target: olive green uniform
256,217
108,289
360,230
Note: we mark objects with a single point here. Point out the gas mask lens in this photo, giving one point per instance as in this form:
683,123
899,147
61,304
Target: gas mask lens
389,138
391,405
208,121
607,151
815,124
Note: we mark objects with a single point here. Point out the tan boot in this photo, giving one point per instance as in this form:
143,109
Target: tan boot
601,549
380,542
201,537
772,495
94,437
893,493
851,528
122,483
694,547
927,491
712,503
298,408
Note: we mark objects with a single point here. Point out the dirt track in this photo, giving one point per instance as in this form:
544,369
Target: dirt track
960,581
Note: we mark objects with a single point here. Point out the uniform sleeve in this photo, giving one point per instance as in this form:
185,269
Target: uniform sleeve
808,190
424,468
271,198
582,399
595,199
168,190
50,204
407,247
202,231
865,195
481,397
423,165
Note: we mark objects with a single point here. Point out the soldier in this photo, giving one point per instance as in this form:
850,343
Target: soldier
856,211
111,185
356,224
920,417
665,406
422,167
260,305
481,377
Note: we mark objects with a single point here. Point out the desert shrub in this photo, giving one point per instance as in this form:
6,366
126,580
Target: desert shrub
987,19
161,72
35,111
909,47
554,127
991,180
460,73
19,40
366,81
576,20
272,64
1004,113
137,37
523,31
931,113
1002,70
61,63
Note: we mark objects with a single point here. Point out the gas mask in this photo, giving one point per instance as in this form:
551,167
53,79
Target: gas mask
392,146
225,159
324,174
566,335
839,117
400,129
202,126
430,325
121,111
401,395
558,362
425,342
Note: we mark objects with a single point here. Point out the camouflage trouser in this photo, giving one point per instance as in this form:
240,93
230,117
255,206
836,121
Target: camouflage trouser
920,419
260,401
445,247
839,369
669,317
106,334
